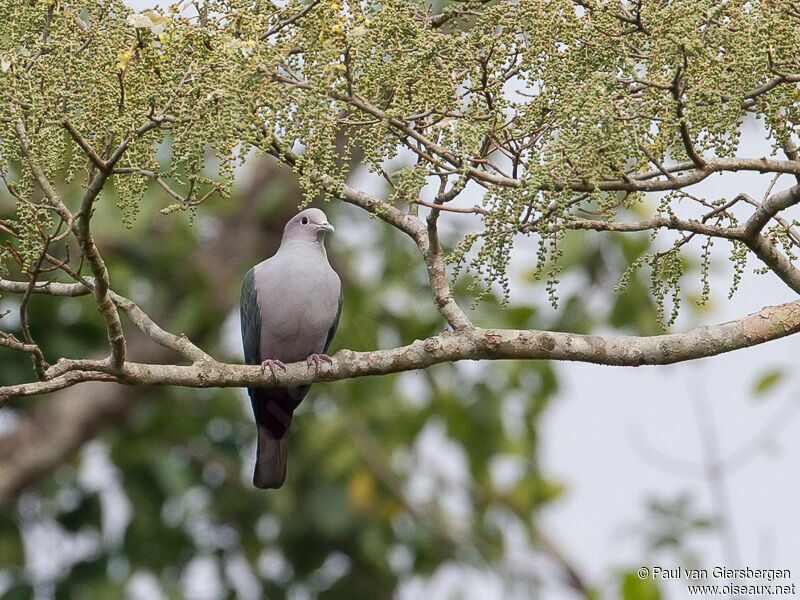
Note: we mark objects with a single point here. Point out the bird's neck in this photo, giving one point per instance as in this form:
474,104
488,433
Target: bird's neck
291,246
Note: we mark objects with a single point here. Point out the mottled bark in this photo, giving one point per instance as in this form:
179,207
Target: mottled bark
470,343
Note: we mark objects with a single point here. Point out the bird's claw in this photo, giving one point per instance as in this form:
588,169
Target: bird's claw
317,360
271,364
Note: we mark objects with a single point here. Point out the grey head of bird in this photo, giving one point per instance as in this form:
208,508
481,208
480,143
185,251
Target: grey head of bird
309,225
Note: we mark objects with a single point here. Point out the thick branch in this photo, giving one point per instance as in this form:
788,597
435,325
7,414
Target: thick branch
97,265
83,233
775,260
51,288
771,207
762,247
770,323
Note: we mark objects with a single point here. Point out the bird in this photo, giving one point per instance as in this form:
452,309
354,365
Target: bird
290,308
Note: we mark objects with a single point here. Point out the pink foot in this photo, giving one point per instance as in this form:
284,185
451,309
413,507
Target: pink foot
318,359
271,365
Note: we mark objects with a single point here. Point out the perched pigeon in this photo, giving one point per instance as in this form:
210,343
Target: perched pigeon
289,312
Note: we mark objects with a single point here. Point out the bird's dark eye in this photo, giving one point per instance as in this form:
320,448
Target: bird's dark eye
304,220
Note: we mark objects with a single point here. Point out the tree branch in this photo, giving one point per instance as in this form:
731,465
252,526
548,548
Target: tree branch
178,343
97,265
768,324
84,144
39,364
748,234
410,224
185,201
83,234
768,209
671,222
434,262
49,191
698,170
288,20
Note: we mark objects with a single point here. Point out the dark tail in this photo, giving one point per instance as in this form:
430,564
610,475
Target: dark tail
273,410
271,456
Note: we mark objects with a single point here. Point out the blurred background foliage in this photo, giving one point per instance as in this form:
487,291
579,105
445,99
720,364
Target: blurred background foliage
390,477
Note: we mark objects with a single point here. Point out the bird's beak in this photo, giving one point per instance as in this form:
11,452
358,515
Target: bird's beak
327,227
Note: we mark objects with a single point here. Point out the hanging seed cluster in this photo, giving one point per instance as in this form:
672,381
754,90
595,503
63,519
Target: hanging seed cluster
540,102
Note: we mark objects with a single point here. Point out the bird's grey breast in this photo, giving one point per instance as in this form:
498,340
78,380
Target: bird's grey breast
298,296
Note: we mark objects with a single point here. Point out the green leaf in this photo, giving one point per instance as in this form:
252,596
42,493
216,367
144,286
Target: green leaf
636,588
10,542
767,381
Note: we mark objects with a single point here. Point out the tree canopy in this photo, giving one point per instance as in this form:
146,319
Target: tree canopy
549,119
565,113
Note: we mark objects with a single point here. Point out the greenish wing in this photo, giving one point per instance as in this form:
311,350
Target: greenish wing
332,330
250,315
